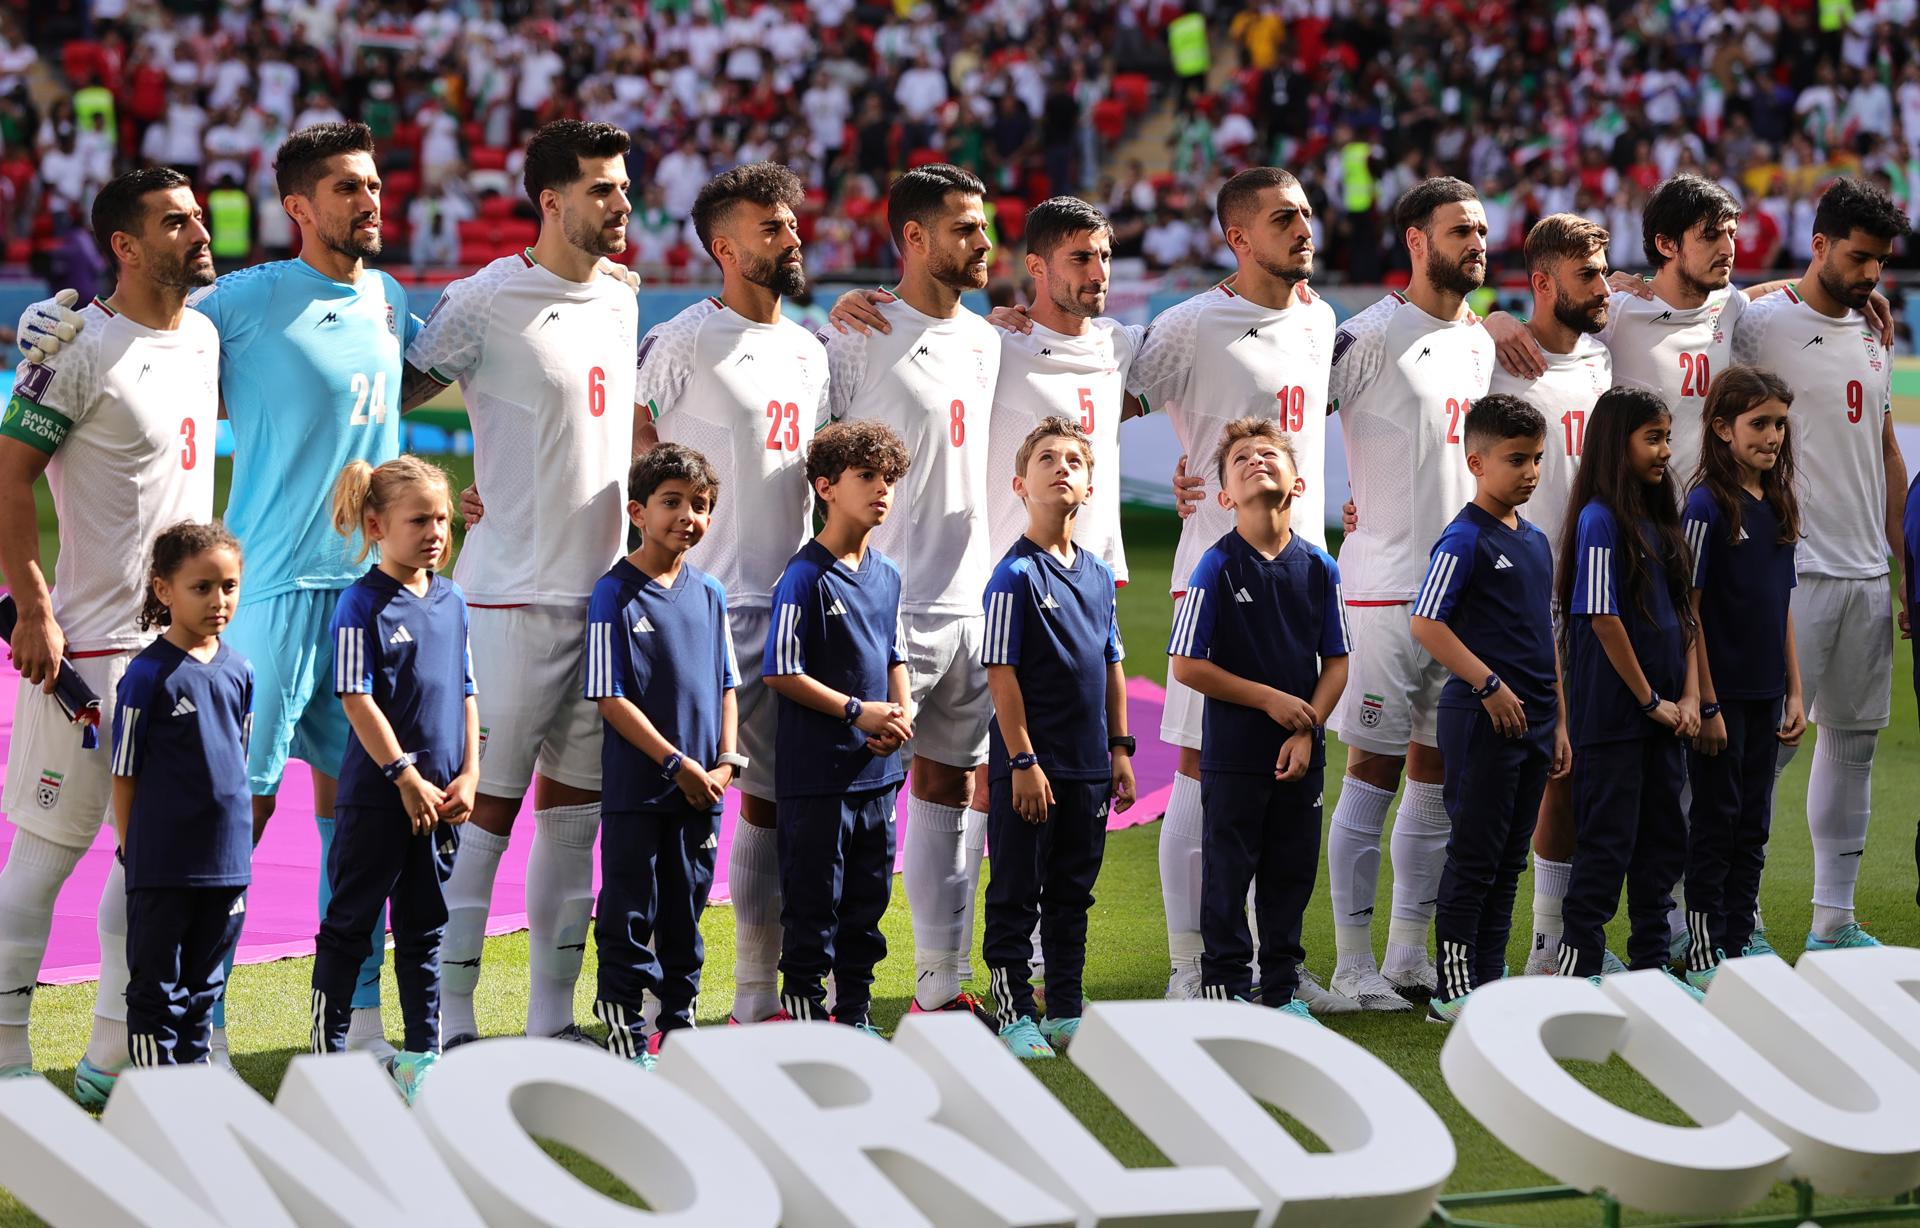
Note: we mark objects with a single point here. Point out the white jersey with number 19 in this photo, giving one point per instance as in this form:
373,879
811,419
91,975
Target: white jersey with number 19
546,366
748,397
931,380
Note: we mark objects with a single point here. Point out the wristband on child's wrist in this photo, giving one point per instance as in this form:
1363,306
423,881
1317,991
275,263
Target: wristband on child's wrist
670,766
1653,701
393,771
1709,711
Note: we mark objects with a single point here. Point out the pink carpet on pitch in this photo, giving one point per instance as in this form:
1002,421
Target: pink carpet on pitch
281,904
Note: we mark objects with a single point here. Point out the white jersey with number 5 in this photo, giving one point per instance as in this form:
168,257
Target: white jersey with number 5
1402,384
747,396
1045,374
931,380
1564,396
1675,353
1842,383
546,366
1217,357
126,415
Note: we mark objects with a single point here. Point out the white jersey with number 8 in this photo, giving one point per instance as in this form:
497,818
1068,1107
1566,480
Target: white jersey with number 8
546,366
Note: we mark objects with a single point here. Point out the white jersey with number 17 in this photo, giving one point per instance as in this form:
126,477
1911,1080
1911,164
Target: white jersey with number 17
1564,396
546,366
748,397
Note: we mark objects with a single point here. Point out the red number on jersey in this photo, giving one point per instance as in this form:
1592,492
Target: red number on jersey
783,426
1293,407
190,450
1575,422
957,423
1086,410
1694,375
1856,401
1457,408
596,392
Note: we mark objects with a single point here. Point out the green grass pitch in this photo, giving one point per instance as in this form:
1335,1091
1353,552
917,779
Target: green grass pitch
268,1003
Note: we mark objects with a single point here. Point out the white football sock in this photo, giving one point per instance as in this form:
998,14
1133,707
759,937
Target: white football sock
107,1047
973,845
1549,893
1353,865
29,882
559,909
753,876
366,1029
1829,921
1839,805
1406,945
1420,831
936,873
469,894
1180,854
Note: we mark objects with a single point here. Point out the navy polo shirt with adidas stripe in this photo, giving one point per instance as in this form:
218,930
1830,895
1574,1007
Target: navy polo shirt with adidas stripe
1493,586
1746,583
665,649
1600,708
180,729
1268,620
410,653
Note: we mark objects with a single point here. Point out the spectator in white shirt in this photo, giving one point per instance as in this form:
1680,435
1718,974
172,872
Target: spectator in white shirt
681,175
922,90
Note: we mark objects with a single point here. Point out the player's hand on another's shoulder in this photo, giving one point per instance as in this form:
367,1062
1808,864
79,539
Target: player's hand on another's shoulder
1013,318
620,272
857,311
1509,715
471,508
1296,755
1879,313
1519,353
1189,489
1622,282
37,646
48,325
1793,721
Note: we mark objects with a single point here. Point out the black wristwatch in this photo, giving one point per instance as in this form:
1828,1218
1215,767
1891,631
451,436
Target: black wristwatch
1123,741
1492,685
853,709
393,771
670,766
1022,762
1653,701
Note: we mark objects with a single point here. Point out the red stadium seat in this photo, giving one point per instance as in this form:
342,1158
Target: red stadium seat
498,206
479,231
19,251
1110,119
400,183
1010,218
1134,90
487,158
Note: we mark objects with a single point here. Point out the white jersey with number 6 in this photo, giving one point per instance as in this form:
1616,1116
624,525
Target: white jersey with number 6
126,415
546,366
931,380
1842,383
1402,384
1045,374
1675,353
1564,396
1217,357
748,397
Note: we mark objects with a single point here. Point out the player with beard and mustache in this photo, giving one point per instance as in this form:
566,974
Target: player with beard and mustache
931,378
543,345
735,380
121,420
1405,372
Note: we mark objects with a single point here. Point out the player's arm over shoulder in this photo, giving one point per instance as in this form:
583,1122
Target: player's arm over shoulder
54,395
452,342
847,359
1359,350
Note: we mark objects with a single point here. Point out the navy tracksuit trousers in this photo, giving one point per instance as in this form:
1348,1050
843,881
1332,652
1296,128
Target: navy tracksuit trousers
1256,830
656,868
1727,829
377,860
836,871
178,940
1044,870
1627,816
1492,791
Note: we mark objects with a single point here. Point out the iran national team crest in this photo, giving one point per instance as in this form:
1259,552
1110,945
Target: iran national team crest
393,322
1370,708
48,791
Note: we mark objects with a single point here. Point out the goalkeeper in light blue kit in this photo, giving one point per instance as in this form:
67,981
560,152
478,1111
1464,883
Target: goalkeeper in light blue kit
310,375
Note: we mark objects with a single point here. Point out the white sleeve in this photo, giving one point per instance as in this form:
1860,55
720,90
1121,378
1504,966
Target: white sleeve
1358,351
1749,333
452,342
846,369
663,365
1163,362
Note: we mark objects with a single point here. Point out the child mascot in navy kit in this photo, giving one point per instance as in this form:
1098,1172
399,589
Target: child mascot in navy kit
1742,521
1262,634
181,804
1485,612
1058,754
660,665
835,659
404,676
1631,688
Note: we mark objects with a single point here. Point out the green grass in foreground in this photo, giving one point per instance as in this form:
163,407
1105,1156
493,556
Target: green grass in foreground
268,1003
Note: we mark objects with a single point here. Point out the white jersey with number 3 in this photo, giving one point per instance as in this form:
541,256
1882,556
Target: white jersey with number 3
1842,381
748,397
1217,357
546,366
1046,374
1402,384
1564,395
1675,353
126,415
931,380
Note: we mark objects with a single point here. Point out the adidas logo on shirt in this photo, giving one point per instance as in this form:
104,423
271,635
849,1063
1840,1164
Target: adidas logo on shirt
1501,563
1048,603
838,607
184,707
644,625
401,636
1243,597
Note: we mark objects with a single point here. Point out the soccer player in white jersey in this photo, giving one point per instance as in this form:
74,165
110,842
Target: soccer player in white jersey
1814,335
1405,372
737,381
543,346
931,379
121,421
1258,344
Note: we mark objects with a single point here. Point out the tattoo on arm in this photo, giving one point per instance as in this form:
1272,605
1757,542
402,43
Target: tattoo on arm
417,387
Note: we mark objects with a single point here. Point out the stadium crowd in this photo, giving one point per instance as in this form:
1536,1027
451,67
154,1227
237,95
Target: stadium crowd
1547,106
